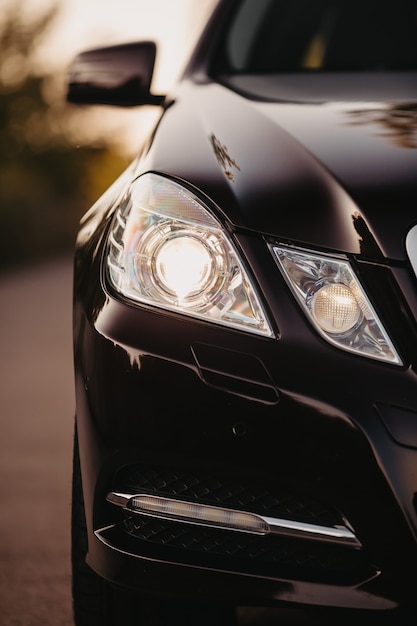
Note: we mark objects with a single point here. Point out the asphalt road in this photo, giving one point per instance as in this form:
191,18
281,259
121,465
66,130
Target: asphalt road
36,415
36,431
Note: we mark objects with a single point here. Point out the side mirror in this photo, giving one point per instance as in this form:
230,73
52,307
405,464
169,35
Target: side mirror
116,75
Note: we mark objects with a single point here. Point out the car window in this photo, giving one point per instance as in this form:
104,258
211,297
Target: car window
322,35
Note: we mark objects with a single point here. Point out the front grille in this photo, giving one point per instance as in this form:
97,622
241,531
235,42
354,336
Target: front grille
270,555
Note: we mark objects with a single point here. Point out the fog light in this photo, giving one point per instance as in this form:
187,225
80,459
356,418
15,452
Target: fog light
335,308
335,301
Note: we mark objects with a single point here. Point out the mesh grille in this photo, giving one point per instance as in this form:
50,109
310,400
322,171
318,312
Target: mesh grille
232,551
269,555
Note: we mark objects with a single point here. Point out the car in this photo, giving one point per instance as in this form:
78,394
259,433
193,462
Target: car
245,325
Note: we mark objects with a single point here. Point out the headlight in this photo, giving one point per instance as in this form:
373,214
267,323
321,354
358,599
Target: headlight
335,302
167,249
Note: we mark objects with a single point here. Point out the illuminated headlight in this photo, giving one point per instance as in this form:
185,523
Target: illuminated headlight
335,302
167,249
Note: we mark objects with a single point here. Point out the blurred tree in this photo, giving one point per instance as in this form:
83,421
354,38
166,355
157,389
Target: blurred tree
45,182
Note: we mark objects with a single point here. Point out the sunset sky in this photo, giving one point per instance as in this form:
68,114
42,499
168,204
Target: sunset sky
83,24
88,23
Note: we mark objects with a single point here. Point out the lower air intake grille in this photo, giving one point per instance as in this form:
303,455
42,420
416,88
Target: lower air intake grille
270,555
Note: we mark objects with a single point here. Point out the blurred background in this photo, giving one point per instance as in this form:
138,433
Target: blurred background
55,161
56,158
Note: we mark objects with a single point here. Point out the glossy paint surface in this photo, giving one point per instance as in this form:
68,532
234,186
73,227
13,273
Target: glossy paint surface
335,174
322,175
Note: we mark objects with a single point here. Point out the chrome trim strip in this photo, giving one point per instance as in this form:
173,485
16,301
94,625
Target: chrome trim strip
332,534
341,535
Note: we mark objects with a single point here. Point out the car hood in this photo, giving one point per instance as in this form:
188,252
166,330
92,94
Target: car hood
326,167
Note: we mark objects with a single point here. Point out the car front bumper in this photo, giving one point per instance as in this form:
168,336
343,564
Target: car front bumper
193,412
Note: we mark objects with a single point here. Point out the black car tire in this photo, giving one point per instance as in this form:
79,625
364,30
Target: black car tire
97,603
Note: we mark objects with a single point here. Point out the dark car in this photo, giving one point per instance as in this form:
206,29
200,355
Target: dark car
245,324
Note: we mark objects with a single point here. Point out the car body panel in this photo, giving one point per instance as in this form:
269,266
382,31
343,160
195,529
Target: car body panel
163,392
316,164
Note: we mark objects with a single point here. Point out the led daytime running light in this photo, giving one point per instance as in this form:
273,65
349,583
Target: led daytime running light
198,514
230,519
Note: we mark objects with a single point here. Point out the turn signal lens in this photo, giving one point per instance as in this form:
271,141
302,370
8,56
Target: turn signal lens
335,302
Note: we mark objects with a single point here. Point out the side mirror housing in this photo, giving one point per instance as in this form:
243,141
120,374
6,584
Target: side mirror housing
118,75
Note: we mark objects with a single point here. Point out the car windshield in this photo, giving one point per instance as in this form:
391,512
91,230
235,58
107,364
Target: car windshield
269,36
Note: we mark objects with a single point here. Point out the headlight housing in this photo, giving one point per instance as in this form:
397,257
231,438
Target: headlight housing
335,302
168,250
